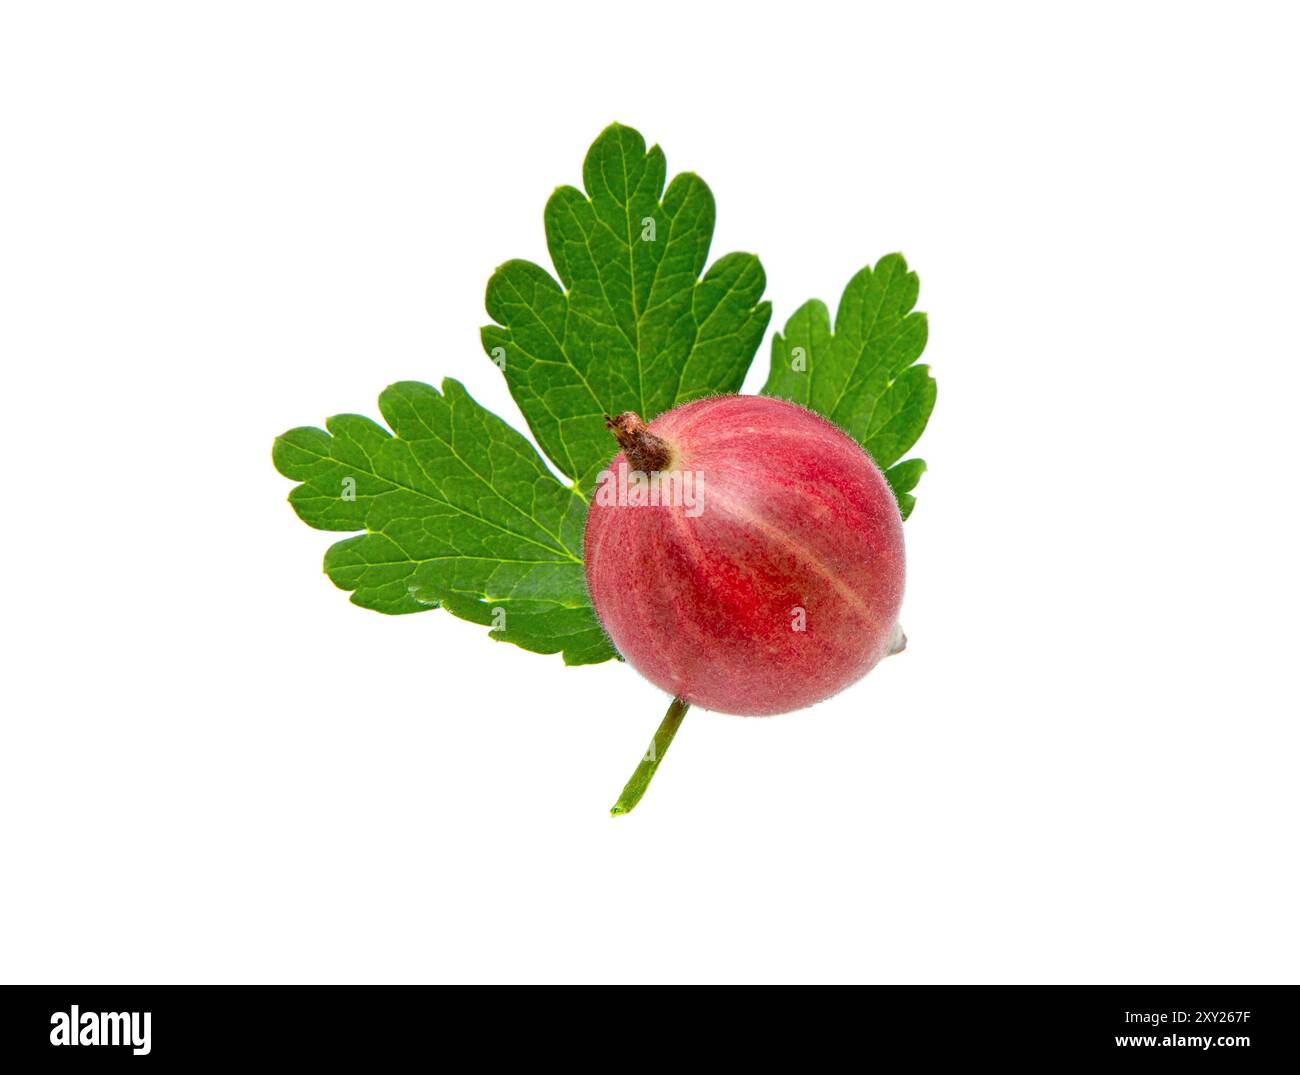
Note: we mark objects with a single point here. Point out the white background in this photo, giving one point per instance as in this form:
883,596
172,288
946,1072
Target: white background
223,220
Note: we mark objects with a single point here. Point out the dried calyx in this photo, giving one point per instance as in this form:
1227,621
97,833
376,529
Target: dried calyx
645,451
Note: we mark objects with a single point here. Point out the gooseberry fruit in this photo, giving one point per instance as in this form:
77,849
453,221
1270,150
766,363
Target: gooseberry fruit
745,555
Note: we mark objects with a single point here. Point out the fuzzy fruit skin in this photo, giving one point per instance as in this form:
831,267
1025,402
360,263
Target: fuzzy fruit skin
795,515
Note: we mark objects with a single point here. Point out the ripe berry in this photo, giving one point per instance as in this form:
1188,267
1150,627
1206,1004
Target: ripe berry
745,555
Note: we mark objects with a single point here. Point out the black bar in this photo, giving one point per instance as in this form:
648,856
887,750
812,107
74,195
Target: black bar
368,1025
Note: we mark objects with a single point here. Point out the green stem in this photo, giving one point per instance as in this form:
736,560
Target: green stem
658,748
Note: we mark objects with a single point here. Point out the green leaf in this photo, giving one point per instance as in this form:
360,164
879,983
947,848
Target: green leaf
862,375
902,478
450,507
458,511
631,325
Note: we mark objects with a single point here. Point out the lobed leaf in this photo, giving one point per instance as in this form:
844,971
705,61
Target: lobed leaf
631,325
458,511
455,509
862,374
